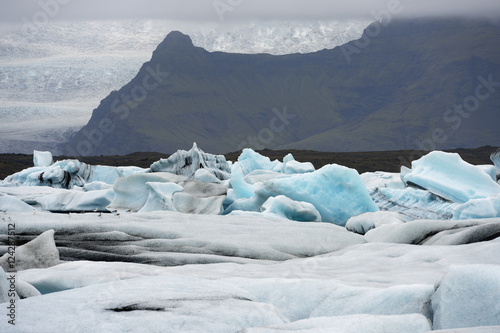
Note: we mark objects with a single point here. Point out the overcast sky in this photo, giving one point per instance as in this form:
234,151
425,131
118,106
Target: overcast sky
231,10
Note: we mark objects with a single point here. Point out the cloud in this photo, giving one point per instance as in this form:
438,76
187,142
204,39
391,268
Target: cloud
235,10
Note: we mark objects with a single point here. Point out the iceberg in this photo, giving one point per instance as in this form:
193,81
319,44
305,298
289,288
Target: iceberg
291,166
249,161
337,192
292,210
448,176
186,163
69,173
42,158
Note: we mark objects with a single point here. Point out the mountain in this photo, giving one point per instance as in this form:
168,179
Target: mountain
53,77
412,84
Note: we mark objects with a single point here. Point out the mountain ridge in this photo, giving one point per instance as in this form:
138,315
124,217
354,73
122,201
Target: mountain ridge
394,92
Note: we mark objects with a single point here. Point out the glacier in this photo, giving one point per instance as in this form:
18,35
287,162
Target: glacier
132,250
49,89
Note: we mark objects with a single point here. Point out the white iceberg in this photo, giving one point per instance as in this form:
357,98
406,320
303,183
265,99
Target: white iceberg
448,176
42,158
250,161
292,210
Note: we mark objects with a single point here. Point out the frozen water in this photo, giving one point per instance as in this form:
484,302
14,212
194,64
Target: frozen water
25,290
42,158
290,209
362,223
13,204
266,273
186,163
172,238
39,253
412,323
447,175
337,192
4,287
468,297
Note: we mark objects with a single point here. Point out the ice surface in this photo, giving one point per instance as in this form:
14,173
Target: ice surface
290,209
77,201
39,253
172,238
362,223
13,204
412,323
447,175
25,290
186,163
42,158
468,297
417,232
337,192
149,304
4,287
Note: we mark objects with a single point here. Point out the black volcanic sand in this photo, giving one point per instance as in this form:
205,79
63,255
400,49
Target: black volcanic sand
390,161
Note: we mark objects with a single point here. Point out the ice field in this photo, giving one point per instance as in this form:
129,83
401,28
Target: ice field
196,243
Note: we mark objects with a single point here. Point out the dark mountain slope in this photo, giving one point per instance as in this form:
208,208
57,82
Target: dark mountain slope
395,91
